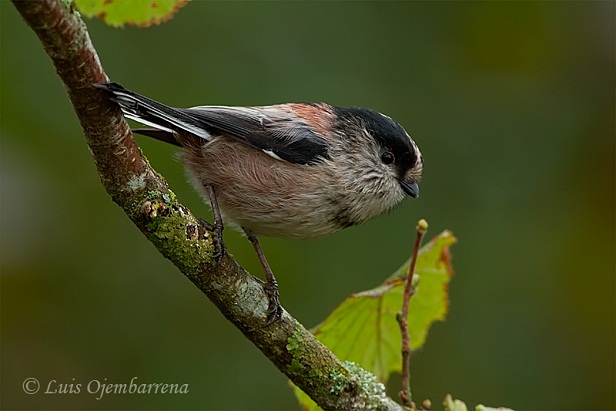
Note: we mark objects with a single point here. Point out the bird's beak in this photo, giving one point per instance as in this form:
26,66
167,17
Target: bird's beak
411,189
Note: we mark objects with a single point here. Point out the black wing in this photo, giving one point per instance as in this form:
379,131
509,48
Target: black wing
277,132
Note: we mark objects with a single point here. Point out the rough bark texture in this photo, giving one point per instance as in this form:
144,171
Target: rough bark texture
179,236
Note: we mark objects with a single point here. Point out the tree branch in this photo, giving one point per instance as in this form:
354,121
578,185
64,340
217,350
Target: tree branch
146,199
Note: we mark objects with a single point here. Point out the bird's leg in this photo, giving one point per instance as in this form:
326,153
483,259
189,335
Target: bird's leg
274,310
218,225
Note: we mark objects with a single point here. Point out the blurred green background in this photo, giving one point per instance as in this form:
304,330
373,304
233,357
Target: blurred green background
512,105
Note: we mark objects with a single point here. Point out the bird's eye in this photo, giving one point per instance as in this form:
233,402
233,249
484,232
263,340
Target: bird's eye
388,157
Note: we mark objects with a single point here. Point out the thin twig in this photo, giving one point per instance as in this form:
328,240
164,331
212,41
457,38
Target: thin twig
403,315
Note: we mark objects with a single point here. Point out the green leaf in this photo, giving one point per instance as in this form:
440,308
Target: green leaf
484,408
306,403
141,13
454,405
364,329
457,405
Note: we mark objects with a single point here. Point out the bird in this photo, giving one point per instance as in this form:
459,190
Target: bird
294,170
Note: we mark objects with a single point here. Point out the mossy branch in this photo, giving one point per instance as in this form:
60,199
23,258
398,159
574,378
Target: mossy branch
145,197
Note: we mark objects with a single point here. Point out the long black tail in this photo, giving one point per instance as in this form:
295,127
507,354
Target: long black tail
166,120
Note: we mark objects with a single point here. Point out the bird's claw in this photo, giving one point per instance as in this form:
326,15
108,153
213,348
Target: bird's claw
274,309
219,245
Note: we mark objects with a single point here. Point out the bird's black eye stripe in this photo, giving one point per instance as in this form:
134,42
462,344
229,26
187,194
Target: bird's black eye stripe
388,157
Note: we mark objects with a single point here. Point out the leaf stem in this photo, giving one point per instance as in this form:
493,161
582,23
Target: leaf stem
403,315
